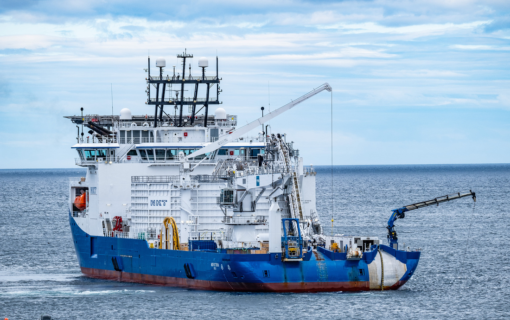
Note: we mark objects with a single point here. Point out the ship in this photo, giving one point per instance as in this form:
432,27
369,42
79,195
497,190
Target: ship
187,198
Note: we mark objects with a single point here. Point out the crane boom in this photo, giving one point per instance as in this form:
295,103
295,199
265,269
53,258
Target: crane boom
400,212
439,200
223,140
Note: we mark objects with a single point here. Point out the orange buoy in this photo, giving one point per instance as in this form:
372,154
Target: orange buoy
80,202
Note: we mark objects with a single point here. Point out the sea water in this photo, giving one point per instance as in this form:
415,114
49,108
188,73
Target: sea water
464,271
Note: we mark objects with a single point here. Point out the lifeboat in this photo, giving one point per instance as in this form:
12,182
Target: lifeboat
80,202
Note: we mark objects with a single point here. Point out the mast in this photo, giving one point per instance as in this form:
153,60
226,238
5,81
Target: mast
159,101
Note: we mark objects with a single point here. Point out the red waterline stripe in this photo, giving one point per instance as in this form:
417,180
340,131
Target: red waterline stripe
232,286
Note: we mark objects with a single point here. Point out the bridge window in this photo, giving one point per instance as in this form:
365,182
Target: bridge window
171,154
90,154
187,152
160,154
255,152
150,154
202,156
132,153
222,152
101,153
143,154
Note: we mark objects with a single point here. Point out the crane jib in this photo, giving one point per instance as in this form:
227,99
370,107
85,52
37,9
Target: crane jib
439,200
400,212
229,137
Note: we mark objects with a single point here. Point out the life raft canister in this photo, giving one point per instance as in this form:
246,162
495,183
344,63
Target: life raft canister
80,202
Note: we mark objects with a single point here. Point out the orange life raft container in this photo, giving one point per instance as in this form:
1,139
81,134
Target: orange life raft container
80,202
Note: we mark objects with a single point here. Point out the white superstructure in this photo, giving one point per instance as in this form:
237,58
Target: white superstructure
215,181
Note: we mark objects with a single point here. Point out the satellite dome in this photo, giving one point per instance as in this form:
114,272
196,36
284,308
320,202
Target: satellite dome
125,114
203,62
160,62
220,114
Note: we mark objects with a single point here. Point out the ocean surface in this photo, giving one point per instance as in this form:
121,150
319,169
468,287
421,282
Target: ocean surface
464,272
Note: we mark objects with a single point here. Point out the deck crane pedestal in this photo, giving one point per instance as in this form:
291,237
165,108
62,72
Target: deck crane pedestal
400,212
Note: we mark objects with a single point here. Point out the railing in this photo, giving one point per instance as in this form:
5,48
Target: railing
210,235
154,179
98,140
207,179
197,100
168,78
257,220
139,140
79,214
90,162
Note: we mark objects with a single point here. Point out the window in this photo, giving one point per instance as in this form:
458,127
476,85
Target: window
145,136
202,156
90,155
136,136
236,152
101,153
150,154
132,153
222,152
254,153
187,152
171,154
160,154
143,154
80,153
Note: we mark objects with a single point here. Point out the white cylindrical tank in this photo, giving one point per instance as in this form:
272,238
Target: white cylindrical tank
202,62
125,114
220,114
160,62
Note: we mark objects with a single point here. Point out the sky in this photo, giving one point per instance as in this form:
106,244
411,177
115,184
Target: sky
414,82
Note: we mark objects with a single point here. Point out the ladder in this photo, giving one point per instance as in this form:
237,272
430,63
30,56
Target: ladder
218,168
295,197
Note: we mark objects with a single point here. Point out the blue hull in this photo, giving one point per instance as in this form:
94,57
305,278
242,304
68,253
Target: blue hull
133,261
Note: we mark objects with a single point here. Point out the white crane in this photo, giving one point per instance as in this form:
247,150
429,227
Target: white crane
224,139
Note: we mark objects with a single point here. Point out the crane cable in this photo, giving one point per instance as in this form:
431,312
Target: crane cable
332,193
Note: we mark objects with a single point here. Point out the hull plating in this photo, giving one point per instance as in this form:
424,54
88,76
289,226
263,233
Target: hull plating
319,272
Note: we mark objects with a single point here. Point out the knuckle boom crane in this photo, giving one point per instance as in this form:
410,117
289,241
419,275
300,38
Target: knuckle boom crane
400,212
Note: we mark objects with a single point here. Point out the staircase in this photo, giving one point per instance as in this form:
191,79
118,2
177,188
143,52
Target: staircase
123,150
294,197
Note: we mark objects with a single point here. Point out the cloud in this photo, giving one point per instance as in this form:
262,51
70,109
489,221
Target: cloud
388,61
412,31
479,47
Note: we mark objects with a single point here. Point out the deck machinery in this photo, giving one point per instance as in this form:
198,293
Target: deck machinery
189,199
